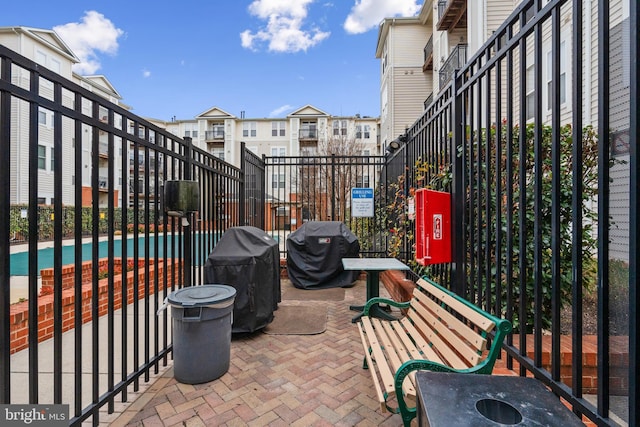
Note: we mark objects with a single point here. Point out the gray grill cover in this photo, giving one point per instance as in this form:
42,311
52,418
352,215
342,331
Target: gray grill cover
249,260
315,252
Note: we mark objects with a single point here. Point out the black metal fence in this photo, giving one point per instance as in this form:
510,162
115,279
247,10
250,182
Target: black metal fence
85,188
319,188
544,200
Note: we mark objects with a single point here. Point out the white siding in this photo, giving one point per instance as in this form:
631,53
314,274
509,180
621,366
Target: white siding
411,87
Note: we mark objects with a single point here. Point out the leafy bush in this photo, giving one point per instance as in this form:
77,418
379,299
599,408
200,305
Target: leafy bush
483,207
485,179
19,221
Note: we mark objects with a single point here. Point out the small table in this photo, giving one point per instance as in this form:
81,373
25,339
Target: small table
451,399
373,267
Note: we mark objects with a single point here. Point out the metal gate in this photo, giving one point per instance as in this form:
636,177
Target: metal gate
319,188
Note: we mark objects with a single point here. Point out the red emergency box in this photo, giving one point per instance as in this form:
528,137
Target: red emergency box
433,227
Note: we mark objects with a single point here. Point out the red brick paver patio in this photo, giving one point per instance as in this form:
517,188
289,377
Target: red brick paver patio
277,380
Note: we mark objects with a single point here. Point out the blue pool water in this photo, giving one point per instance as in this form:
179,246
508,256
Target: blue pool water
19,262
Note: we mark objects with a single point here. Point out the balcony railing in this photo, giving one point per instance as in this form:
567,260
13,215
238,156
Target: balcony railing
103,184
428,55
214,135
308,134
456,60
452,14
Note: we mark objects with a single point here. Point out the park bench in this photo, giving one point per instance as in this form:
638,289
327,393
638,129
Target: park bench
440,332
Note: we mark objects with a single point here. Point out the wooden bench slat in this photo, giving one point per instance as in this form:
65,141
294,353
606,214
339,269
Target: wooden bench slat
412,347
421,342
372,369
379,357
442,347
478,319
446,334
473,337
396,351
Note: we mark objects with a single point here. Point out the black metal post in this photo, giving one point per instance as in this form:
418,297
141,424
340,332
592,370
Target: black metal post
634,231
457,196
5,200
188,147
242,198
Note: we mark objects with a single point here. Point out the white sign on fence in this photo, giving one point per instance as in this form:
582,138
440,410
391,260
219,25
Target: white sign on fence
362,202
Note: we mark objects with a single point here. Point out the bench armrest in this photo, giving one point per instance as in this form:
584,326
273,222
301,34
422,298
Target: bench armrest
381,300
408,413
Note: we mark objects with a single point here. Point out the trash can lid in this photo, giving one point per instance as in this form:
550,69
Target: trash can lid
199,296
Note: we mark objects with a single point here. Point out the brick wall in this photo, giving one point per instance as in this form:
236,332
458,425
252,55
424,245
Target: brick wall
19,313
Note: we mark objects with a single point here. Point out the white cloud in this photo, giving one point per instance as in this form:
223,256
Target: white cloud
93,35
367,14
283,31
278,111
146,73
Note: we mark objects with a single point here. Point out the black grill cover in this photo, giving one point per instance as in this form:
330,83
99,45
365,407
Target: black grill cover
315,252
249,260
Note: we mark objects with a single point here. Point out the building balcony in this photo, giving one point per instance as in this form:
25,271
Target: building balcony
103,150
456,60
103,185
308,136
428,55
452,14
216,135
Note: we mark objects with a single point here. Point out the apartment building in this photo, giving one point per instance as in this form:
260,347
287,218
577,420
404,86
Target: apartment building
447,33
306,131
419,54
47,49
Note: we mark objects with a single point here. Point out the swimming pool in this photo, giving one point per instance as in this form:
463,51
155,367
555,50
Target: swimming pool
19,261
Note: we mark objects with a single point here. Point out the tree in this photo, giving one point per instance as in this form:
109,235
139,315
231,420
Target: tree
324,181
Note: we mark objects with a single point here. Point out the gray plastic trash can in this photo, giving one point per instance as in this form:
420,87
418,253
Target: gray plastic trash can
202,318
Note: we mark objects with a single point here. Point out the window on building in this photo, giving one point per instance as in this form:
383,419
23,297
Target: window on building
42,200
42,157
278,128
42,117
191,130
218,130
54,65
308,129
339,127
218,152
367,131
362,181
358,131
41,57
563,75
530,88
278,152
53,160
384,57
249,129
278,180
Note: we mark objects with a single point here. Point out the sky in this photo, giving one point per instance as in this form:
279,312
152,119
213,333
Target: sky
265,58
